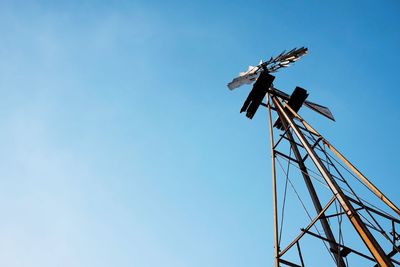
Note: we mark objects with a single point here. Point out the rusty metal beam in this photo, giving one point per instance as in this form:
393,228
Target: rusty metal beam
364,179
373,210
314,197
339,245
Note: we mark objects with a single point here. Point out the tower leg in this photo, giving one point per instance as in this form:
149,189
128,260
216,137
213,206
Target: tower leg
274,199
314,197
364,179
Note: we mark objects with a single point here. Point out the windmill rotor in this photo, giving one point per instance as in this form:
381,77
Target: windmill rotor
283,60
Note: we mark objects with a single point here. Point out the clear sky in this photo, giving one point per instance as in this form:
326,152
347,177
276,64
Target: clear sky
122,146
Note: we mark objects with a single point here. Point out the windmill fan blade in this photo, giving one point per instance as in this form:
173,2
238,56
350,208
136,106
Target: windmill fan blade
291,58
279,56
324,111
283,60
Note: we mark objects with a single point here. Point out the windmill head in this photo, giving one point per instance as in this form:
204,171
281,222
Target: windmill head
263,85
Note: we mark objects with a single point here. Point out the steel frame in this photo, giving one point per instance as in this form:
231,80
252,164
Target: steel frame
293,131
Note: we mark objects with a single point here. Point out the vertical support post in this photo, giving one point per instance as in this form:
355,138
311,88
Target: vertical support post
368,239
314,197
274,198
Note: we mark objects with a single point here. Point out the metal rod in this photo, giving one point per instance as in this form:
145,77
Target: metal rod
378,226
391,254
368,183
308,227
300,145
266,106
394,232
288,263
339,213
280,139
300,255
314,145
286,156
364,179
339,245
373,210
354,218
274,198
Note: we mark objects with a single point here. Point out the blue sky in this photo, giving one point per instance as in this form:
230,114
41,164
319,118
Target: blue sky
122,146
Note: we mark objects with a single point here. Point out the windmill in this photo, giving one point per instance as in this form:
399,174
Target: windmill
349,220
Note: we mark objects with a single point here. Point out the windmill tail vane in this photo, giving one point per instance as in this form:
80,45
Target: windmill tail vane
332,191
